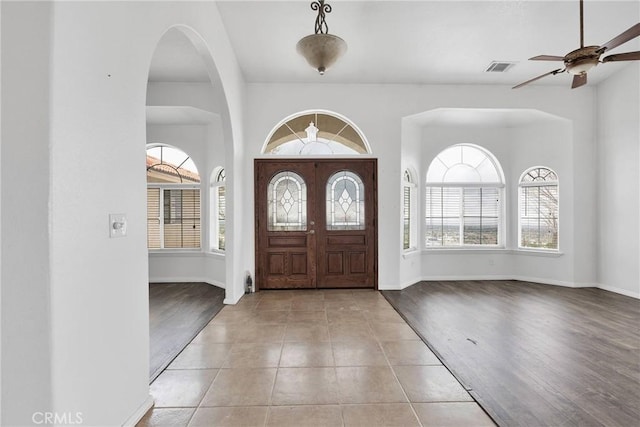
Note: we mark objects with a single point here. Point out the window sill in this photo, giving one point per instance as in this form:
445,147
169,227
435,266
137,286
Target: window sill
466,250
534,252
410,253
215,254
159,253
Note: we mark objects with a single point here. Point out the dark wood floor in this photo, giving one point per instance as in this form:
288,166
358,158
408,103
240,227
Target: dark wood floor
177,312
531,354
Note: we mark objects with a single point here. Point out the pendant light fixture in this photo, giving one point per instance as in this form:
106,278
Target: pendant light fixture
321,50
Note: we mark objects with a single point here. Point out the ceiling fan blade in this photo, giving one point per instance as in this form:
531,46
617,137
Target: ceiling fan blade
554,72
629,56
630,34
579,80
547,58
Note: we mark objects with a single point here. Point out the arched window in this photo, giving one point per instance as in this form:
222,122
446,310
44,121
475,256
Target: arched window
538,189
315,133
464,189
218,209
173,199
409,211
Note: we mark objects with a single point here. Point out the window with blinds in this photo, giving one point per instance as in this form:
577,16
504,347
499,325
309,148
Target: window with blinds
409,223
173,199
218,209
463,198
539,209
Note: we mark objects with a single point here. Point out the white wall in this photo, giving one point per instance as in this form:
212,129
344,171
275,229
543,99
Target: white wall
618,185
381,111
26,245
75,303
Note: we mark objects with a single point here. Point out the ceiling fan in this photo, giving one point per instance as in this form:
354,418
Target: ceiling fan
580,61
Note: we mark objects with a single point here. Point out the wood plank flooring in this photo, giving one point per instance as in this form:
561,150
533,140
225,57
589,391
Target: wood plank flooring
177,312
532,354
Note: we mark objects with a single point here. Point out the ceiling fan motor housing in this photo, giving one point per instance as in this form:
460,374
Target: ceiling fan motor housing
582,60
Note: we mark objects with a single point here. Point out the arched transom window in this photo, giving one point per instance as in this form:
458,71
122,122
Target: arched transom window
464,190
539,208
316,133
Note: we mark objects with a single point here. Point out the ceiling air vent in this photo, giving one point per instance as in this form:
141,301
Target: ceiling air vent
499,67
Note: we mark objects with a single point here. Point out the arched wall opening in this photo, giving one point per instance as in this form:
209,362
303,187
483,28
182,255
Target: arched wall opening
186,108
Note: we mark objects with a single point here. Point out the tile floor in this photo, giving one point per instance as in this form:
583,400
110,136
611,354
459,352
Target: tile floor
310,358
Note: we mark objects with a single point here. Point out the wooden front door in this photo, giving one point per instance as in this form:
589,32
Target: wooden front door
316,223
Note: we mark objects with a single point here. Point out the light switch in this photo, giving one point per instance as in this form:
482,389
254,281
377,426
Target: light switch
117,225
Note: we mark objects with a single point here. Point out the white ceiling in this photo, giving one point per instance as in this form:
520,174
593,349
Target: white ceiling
415,42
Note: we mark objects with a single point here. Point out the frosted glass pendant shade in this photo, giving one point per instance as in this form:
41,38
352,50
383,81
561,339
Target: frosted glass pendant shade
321,50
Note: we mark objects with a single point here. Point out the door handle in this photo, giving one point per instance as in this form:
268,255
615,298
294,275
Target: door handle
311,232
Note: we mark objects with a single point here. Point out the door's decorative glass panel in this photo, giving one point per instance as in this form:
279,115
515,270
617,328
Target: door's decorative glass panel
345,202
287,202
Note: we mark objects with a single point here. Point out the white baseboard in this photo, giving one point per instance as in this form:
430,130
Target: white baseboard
186,280
620,291
544,281
139,413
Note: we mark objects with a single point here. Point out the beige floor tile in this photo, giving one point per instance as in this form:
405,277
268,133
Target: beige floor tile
310,316
383,315
305,386
241,387
201,356
266,317
430,384
306,332
273,304
231,316
371,384
166,417
260,333
253,355
358,353
181,388
381,414
305,416
241,416
341,304
343,316
350,332
306,355
393,331
216,333
307,304
409,353
452,414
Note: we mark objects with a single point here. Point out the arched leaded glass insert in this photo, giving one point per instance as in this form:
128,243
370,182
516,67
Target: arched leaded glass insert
287,202
345,202
539,209
316,133
464,190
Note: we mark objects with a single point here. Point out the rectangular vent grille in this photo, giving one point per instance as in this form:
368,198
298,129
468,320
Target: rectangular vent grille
499,67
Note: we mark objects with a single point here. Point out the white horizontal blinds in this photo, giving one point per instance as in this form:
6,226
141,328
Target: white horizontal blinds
480,210
406,218
222,209
181,218
345,202
153,218
287,202
463,198
539,209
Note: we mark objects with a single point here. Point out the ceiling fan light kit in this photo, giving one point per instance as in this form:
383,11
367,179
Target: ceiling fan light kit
321,50
580,61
